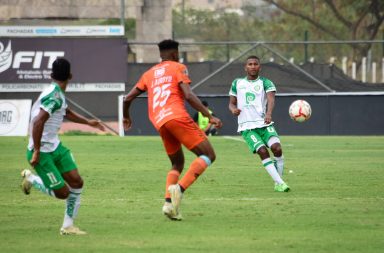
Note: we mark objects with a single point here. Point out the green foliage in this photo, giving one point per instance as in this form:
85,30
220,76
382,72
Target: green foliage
284,21
336,203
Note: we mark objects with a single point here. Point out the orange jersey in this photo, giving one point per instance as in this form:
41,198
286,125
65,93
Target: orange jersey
165,97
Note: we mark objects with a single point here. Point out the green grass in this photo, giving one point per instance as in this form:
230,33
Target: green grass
336,203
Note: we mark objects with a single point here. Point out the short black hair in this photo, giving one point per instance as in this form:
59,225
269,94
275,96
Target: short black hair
205,103
61,69
253,57
168,44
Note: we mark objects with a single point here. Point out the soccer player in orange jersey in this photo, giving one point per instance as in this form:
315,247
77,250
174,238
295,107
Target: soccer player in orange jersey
168,86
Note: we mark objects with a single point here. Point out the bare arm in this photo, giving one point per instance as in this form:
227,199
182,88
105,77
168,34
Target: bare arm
270,106
37,132
195,102
77,118
127,122
233,106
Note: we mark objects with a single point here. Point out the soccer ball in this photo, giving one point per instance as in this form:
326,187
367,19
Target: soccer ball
300,111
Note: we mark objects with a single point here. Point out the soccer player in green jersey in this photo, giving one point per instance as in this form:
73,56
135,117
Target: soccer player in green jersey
57,173
252,99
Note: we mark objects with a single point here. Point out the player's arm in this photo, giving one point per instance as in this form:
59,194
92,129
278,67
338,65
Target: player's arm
195,102
233,106
77,118
37,133
270,106
127,122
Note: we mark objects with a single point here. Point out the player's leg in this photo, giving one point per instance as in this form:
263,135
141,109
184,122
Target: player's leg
193,138
70,173
256,145
205,157
278,154
273,141
48,179
270,136
177,160
173,194
176,156
75,188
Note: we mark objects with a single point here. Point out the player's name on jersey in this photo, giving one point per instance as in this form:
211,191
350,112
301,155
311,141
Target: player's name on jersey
72,87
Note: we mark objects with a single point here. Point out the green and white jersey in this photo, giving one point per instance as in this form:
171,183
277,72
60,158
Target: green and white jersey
252,101
51,100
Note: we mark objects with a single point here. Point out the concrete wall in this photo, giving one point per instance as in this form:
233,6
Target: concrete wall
153,24
35,9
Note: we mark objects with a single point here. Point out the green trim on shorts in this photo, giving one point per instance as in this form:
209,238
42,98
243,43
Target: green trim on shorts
52,165
257,137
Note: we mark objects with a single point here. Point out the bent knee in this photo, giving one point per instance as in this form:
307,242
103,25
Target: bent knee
263,152
211,156
62,193
277,150
77,183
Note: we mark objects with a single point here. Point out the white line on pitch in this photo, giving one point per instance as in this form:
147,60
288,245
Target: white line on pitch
233,138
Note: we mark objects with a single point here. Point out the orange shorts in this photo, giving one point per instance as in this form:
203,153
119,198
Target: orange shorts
181,131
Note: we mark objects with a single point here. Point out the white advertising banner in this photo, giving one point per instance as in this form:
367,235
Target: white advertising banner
61,31
14,117
72,87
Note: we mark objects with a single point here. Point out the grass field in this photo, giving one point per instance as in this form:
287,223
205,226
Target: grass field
336,203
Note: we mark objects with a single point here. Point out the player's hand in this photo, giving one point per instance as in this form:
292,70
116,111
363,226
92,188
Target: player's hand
96,124
127,123
35,158
267,119
236,112
216,122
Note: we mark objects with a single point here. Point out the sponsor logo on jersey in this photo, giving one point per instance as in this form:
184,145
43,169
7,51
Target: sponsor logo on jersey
249,97
159,72
257,87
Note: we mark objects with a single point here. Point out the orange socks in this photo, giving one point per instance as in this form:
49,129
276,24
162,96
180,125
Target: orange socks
172,178
197,168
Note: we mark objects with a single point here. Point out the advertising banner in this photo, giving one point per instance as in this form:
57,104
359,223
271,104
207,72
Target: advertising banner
26,63
61,31
14,117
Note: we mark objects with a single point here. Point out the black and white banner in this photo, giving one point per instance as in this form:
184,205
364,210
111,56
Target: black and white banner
97,63
14,117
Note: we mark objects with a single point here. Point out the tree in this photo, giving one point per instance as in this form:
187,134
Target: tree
339,19
218,25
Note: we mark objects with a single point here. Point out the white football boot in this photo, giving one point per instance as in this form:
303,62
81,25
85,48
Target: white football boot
25,184
72,230
168,211
176,196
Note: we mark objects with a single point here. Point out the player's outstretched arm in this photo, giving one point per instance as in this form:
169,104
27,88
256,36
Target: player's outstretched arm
127,122
77,118
195,102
